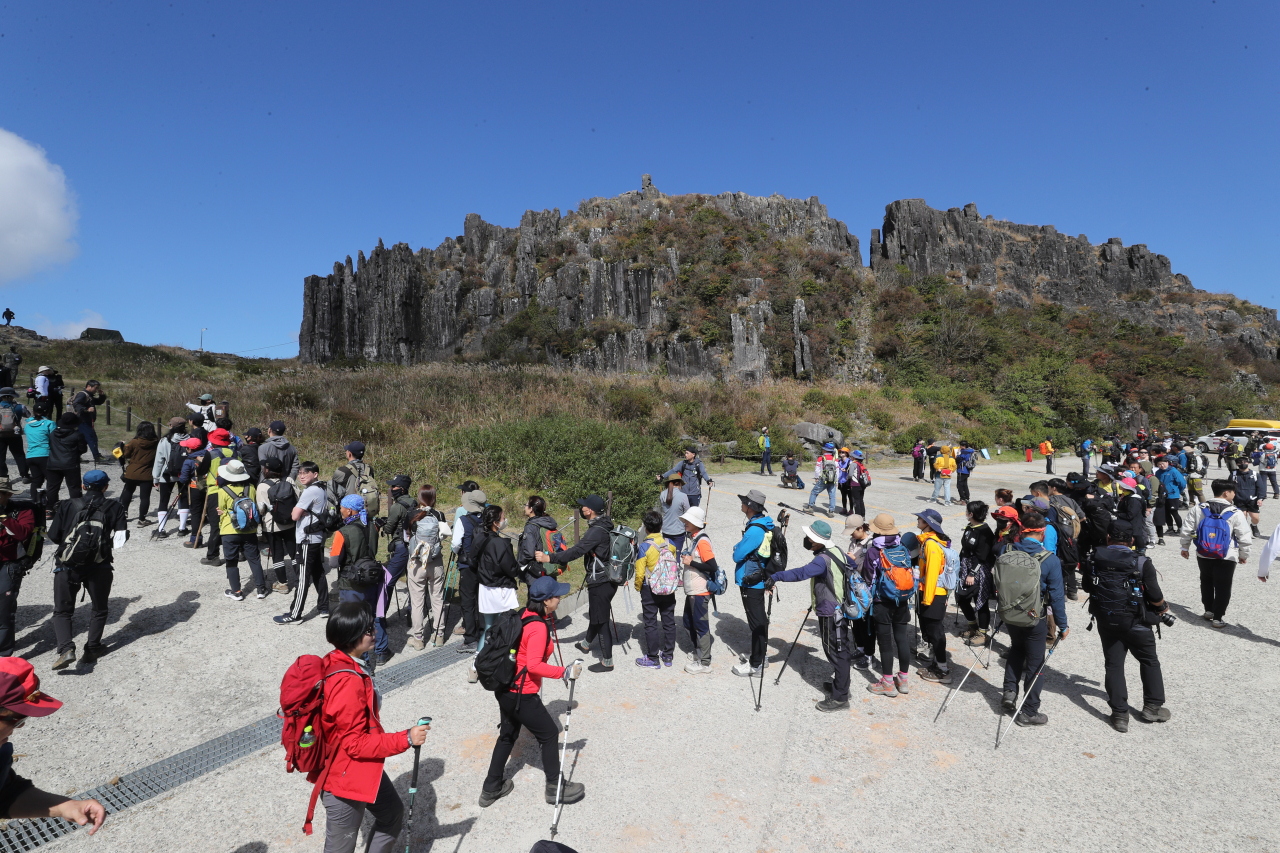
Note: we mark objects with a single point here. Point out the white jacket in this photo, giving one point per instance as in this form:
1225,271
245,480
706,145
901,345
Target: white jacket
1241,535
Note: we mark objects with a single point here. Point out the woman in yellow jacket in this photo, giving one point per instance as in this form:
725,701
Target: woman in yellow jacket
945,465
656,604
232,485
932,604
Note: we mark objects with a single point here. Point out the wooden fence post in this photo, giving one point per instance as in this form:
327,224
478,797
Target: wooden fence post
128,418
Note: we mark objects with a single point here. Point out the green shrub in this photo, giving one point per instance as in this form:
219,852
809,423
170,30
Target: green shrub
890,393
883,420
814,398
630,402
207,359
905,440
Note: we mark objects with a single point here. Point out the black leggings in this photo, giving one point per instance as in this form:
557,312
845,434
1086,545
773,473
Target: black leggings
893,629
846,497
1167,516
36,466
523,711
143,488
931,626
599,613
982,617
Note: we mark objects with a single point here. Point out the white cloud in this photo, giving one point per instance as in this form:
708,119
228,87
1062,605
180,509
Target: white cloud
69,328
37,210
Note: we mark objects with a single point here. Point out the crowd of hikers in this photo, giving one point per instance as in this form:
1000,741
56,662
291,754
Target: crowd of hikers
880,591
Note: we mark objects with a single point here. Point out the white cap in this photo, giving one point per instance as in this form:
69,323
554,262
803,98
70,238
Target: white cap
697,516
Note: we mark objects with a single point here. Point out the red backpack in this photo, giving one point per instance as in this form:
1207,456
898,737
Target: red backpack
301,701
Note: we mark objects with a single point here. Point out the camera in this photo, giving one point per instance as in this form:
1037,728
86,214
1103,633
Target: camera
1167,619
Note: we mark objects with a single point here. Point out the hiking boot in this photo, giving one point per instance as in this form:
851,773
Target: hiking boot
828,706
978,639
145,522
583,646
970,630
65,659
1120,721
467,649
91,654
160,534
212,561
1159,541
933,674
262,593
648,663
1009,701
883,688
1257,534
1031,718
415,644
472,676
697,667
1073,595
1154,713
570,793
606,663
488,798
234,594
384,657
285,619
438,640
281,587
862,662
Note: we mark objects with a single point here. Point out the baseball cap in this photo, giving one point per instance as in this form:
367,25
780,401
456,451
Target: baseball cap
95,477
174,423
547,587
253,432
20,690
400,481
190,443
595,503
220,438
356,448
273,464
206,398
277,427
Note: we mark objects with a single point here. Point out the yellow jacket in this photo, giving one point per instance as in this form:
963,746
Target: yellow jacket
226,502
932,563
945,466
649,561
217,455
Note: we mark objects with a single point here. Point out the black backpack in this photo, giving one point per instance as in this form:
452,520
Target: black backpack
173,465
282,499
86,544
1100,511
364,572
496,663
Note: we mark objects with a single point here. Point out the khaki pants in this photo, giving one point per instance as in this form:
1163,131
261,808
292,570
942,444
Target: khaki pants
426,580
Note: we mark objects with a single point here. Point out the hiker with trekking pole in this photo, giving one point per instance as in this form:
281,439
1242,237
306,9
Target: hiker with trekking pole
703,579
691,472
517,685
1028,582
751,556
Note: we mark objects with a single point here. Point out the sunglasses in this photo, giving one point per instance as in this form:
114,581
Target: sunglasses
15,720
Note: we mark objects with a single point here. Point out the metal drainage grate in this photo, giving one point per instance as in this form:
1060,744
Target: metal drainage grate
155,779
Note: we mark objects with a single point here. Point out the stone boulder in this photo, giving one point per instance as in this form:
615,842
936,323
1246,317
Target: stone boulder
817,434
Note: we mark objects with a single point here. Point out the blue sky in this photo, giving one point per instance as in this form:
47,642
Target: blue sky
211,155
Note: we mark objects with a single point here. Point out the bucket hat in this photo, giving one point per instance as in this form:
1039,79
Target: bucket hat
474,501
233,472
820,533
932,518
697,516
883,525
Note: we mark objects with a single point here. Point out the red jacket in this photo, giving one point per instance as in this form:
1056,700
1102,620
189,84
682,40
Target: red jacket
15,529
533,653
350,716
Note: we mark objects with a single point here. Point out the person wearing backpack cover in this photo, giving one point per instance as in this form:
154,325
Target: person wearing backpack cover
932,608
353,779
692,472
747,559
277,496
37,431
656,553
700,568
890,605
87,529
238,522
826,574
11,414
138,457
17,524
66,445
495,562
974,590
309,535
1027,627
826,476
1222,536
520,705
594,548
1121,628
673,504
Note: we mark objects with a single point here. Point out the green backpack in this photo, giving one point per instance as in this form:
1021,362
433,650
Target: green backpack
621,566
1017,580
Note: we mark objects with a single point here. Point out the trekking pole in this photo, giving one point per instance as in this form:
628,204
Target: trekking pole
413,787
1018,710
616,635
768,613
954,690
793,645
564,745
204,506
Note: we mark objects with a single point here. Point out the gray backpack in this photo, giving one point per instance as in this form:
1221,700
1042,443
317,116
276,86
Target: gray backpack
1017,580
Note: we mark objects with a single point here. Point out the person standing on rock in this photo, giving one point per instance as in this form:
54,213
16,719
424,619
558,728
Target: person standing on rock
692,472
8,316
11,363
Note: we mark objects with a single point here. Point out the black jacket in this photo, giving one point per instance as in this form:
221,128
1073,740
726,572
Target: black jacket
1120,559
978,543
66,444
495,560
1133,510
248,454
65,518
1248,486
83,401
595,542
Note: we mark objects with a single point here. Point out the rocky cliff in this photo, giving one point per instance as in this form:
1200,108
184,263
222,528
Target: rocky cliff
726,285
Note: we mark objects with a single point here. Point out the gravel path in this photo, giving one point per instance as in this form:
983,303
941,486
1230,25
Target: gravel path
679,762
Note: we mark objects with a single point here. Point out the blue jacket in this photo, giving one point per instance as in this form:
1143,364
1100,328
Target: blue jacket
37,432
1173,482
748,545
1050,580
693,473
826,588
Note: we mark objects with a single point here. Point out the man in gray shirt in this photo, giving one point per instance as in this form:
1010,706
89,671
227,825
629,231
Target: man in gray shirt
308,517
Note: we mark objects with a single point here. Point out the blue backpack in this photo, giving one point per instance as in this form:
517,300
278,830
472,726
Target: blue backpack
1213,533
951,571
857,596
243,512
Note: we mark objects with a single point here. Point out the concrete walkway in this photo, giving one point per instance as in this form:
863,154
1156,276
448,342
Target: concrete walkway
679,762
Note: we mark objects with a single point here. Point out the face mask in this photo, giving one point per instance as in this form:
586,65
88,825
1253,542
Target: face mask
503,523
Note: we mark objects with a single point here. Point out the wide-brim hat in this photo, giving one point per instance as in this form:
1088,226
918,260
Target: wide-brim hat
820,533
932,518
754,496
44,368
674,478
6,486
883,525
697,516
233,472
474,501
8,392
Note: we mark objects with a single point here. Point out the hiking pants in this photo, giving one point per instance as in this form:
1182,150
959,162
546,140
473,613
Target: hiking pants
942,484
1130,636
931,626
818,488
215,533
1048,464
96,579
281,544
90,438
917,467
143,488
1026,655
11,575
1271,478
846,498
862,638
426,595
758,622
657,606
36,466
981,616
519,711
469,594
962,487
893,629
237,546
1086,459
698,626
695,500
1215,584
766,461
599,609
12,444
343,818
54,484
835,645
312,574
1193,488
